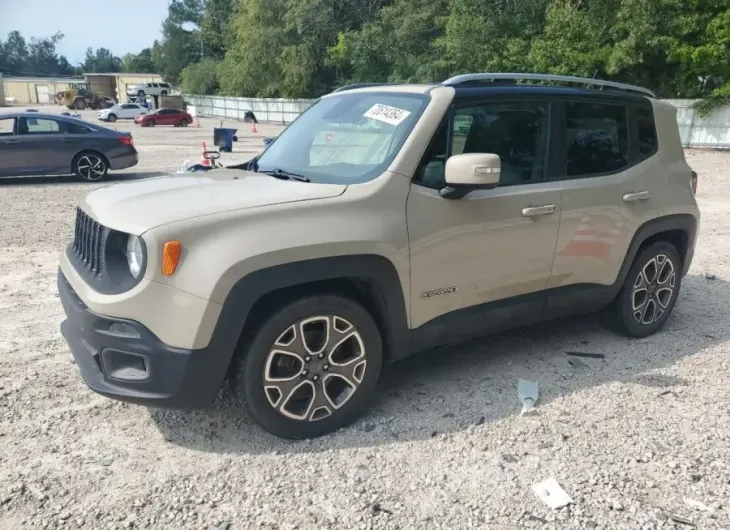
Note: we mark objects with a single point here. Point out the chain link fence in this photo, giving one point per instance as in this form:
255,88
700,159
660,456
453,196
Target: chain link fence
711,132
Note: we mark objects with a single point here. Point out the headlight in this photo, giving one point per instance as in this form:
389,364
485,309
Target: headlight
135,256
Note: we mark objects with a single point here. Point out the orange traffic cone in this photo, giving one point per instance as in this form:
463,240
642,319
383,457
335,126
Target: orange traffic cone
254,127
197,122
203,160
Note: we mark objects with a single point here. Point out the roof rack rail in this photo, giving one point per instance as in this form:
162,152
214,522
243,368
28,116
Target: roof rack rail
362,85
466,78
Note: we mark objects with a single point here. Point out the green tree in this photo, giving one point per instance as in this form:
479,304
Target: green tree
201,78
14,53
102,60
139,62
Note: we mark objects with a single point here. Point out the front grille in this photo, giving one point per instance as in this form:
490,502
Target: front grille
89,238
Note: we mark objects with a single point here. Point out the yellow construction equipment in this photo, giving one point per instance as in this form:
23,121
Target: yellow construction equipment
79,97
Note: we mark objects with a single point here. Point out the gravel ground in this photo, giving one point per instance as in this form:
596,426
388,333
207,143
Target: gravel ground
640,439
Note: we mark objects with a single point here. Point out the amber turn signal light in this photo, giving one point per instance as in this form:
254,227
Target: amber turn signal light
170,257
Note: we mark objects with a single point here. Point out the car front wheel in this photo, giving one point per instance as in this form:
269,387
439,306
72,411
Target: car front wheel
649,292
112,118
151,123
311,368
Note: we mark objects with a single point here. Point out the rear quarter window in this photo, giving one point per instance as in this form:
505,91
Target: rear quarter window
596,138
646,132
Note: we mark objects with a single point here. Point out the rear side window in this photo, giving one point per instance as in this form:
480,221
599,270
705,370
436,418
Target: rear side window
646,131
596,138
73,128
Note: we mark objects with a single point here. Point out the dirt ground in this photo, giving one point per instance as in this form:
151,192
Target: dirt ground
639,440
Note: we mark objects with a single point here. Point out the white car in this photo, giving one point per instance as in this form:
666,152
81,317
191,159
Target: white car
149,89
122,111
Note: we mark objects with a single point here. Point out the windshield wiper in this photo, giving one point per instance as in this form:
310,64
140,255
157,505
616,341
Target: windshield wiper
285,175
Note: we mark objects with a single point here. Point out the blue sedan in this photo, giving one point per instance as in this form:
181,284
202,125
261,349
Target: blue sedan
48,144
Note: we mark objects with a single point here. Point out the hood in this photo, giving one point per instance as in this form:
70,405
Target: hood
135,207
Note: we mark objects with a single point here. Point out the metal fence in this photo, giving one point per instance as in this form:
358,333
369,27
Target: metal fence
266,110
712,131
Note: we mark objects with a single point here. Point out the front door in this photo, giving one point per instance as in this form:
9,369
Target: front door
482,262
12,157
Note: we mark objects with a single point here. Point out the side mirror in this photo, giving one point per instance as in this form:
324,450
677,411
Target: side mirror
469,172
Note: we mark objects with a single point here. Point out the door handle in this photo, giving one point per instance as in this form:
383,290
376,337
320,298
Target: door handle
12,141
534,211
638,196
68,140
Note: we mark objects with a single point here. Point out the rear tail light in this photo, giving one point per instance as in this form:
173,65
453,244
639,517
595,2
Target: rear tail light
694,183
126,140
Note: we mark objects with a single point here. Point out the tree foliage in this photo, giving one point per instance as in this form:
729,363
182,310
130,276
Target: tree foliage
101,61
303,48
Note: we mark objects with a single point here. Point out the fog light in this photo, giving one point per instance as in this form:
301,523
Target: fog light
123,330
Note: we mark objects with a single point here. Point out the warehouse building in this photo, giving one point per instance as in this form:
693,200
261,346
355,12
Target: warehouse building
40,90
114,85
30,90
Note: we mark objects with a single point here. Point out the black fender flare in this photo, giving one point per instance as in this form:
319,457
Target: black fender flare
683,222
247,291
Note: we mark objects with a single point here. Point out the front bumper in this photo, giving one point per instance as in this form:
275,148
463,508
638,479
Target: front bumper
123,360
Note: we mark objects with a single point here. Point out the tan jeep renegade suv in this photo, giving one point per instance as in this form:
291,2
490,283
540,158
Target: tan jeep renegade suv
385,220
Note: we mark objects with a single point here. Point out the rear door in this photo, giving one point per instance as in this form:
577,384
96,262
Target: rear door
167,117
47,150
12,157
606,196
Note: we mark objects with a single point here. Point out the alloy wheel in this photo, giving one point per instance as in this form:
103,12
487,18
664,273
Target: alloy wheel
653,290
314,368
91,168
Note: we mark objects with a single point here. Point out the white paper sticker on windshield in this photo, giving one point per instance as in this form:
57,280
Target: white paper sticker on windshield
387,114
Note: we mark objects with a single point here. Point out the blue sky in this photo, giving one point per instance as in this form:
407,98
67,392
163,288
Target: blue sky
99,24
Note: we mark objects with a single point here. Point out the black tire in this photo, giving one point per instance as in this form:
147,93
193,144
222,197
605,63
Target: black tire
163,93
90,166
151,123
112,118
623,315
249,373
183,123
80,104
140,93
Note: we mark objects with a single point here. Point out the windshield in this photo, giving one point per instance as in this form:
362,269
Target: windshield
345,139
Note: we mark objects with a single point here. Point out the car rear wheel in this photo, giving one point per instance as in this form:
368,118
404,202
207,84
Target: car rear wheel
649,292
311,368
90,166
163,93
140,93
112,117
183,123
151,123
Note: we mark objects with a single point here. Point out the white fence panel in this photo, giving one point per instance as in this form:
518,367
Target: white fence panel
712,131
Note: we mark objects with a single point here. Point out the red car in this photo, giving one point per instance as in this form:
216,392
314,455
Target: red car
178,118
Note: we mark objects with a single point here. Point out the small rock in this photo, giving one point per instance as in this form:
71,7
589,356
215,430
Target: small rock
617,506
107,461
223,526
710,277
65,515
367,427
